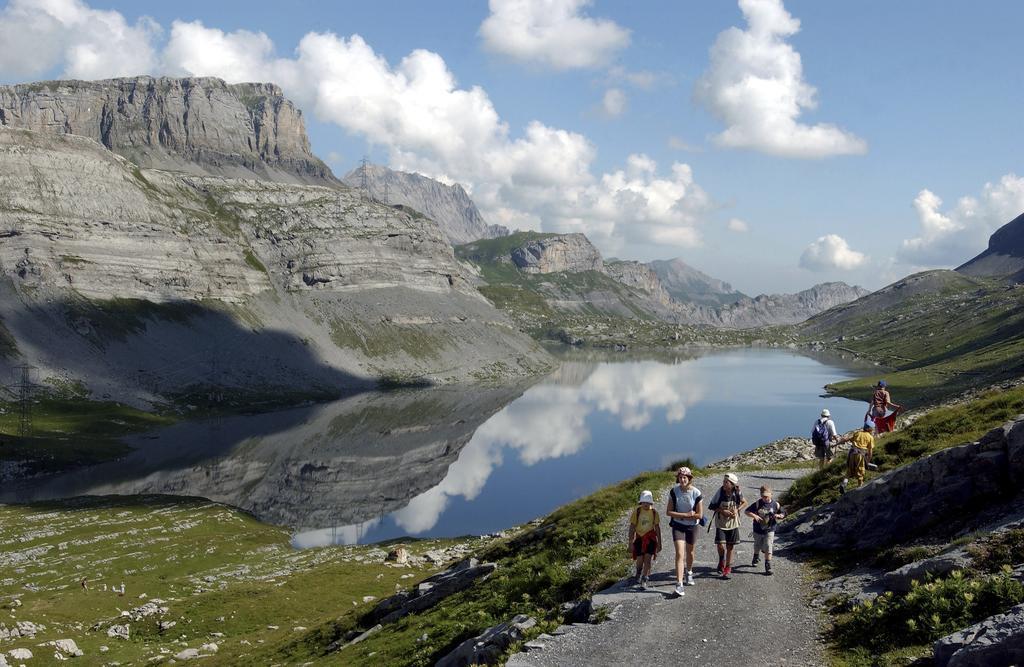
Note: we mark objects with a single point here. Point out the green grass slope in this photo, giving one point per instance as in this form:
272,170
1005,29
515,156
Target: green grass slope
939,332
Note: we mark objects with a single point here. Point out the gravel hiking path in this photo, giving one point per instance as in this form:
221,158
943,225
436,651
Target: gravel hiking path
750,619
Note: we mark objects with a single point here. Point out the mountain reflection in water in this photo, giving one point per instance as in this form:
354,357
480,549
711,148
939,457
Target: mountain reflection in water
452,461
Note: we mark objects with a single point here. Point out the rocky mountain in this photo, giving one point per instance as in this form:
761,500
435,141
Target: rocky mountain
689,285
152,286
449,205
568,272
192,125
1004,255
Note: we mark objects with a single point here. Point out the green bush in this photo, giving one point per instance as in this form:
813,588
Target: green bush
928,612
1005,549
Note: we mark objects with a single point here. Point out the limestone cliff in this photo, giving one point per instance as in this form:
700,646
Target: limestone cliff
147,285
571,253
773,309
195,125
448,205
641,277
689,285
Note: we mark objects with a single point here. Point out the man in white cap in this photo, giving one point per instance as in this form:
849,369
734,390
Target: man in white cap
824,437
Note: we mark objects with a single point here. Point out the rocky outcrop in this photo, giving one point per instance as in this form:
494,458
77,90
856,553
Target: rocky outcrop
487,647
1004,255
194,125
689,285
572,253
146,285
910,499
639,276
429,592
778,452
448,205
998,640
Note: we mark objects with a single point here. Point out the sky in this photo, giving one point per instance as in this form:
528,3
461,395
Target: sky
771,144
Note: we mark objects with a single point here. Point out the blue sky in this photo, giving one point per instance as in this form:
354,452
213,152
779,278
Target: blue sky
771,144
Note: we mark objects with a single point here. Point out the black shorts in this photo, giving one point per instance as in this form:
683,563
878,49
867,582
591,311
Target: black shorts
686,534
731,536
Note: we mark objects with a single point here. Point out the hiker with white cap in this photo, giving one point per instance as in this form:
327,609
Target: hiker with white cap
727,503
824,437
685,511
644,537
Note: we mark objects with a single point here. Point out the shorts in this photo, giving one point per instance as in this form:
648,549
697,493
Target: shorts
686,534
645,544
730,536
764,542
825,451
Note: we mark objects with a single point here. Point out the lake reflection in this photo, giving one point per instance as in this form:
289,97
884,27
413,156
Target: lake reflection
453,461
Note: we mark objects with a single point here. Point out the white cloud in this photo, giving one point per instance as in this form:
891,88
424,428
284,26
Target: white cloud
37,35
737,225
831,252
614,102
952,237
553,33
755,85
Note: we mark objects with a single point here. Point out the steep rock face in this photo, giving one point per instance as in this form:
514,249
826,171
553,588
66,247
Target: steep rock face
148,285
573,253
688,285
1004,255
448,205
641,277
195,125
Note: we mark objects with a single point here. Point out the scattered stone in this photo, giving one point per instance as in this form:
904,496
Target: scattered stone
209,648
398,555
187,654
369,598
104,649
273,627
299,628
166,625
436,557
485,648
67,646
20,654
119,631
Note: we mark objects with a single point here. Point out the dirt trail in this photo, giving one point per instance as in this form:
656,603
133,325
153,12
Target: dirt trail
751,619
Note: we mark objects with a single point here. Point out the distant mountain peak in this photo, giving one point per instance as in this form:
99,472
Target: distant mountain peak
1004,255
448,205
689,285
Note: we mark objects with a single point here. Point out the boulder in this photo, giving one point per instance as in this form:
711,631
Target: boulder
998,640
487,647
398,555
937,566
119,631
20,654
68,647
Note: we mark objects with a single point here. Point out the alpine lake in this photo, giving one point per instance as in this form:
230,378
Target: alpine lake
451,461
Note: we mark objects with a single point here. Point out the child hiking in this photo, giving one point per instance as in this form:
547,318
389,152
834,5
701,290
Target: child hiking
684,511
859,455
727,503
881,401
644,537
824,436
765,513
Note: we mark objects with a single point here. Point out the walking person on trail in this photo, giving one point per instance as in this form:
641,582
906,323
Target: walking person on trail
881,401
859,455
824,436
766,513
644,537
727,503
685,511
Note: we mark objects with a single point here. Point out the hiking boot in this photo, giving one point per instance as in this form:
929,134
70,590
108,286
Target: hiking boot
768,568
679,589
725,572
756,560
689,578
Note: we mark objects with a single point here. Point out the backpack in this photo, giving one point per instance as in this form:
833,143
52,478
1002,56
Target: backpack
820,434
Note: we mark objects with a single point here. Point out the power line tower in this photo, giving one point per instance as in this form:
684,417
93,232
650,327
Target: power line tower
387,202
364,178
24,387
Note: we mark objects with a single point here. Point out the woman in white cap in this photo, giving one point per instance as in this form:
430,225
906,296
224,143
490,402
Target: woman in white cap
824,437
644,537
684,511
727,503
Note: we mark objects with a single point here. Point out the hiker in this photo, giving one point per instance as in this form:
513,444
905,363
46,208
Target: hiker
881,401
644,537
765,514
727,503
859,455
824,436
685,511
